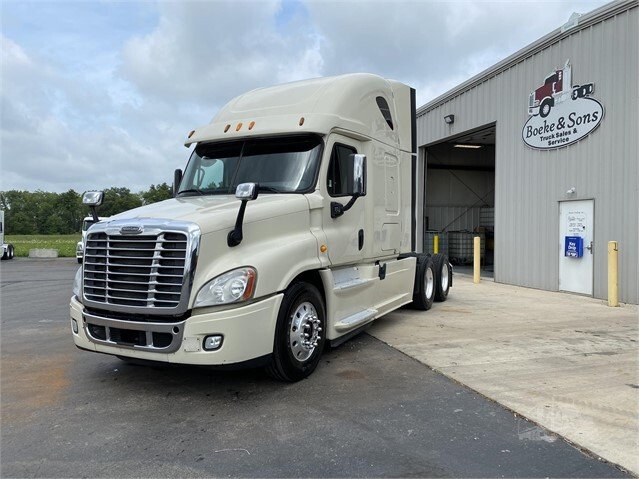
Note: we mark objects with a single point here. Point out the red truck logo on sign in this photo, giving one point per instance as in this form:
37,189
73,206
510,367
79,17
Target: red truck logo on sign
561,113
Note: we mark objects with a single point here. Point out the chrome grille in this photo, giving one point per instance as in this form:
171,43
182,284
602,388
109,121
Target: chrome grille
136,271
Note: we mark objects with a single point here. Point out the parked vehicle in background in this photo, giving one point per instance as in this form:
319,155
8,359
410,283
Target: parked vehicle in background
86,224
325,246
7,248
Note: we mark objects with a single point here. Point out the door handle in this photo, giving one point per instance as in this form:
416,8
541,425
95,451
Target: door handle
589,247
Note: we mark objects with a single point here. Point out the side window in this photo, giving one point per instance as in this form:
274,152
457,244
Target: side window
384,108
339,170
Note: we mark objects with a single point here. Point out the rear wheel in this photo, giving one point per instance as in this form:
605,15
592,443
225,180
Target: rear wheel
299,334
424,288
442,276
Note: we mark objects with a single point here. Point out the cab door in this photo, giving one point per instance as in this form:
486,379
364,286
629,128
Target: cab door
345,234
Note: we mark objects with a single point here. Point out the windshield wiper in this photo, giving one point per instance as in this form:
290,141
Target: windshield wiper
192,190
270,189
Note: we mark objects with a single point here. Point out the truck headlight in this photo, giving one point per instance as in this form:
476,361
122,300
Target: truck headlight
232,287
77,284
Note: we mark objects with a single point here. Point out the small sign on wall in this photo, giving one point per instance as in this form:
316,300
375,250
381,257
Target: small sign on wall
574,246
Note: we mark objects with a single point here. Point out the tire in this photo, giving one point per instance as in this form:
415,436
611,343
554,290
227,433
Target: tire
11,251
442,277
575,92
545,107
79,260
302,312
5,254
424,288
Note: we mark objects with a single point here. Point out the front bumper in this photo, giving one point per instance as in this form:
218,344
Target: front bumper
248,333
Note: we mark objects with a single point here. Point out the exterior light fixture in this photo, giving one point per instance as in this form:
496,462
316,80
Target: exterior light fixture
571,191
449,119
467,145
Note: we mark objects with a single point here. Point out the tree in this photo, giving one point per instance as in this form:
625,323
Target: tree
43,212
157,193
117,200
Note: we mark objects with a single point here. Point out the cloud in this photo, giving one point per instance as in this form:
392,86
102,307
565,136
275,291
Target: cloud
208,52
102,94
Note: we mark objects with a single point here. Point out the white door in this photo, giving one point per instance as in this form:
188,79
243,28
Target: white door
576,235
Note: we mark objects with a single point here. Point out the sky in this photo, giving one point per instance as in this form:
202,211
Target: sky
102,93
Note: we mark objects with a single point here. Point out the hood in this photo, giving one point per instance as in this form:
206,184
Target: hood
218,212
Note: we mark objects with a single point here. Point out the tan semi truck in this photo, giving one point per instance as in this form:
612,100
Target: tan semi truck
291,229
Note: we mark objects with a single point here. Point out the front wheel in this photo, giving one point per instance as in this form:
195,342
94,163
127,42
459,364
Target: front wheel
79,260
299,334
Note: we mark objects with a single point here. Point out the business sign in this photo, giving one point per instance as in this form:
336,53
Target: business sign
561,113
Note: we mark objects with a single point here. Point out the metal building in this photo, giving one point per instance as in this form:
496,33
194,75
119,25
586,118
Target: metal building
539,154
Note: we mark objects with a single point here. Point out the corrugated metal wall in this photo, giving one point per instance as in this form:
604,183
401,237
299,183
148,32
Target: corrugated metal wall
529,184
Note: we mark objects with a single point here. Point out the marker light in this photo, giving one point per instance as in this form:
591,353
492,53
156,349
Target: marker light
226,128
301,121
251,125
238,127
191,134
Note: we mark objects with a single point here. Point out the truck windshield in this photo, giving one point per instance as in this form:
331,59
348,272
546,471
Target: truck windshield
279,165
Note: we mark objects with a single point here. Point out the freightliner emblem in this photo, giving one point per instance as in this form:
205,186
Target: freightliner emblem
131,230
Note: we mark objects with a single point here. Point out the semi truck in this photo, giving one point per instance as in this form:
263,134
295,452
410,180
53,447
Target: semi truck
555,90
291,229
7,248
79,248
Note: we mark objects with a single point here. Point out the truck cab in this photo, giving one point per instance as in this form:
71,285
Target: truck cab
291,229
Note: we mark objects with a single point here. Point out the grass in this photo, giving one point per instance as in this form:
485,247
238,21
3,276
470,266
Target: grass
65,244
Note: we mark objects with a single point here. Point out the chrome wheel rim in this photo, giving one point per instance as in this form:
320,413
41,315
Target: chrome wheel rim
429,283
444,277
304,331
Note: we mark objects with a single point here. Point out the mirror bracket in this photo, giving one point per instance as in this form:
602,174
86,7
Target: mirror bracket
338,209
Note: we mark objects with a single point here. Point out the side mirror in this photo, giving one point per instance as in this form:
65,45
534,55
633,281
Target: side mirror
93,199
177,179
244,192
358,188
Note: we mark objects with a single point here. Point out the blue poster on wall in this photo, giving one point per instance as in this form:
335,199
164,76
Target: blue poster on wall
574,246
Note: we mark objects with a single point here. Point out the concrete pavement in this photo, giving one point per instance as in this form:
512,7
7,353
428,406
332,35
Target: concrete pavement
569,363
368,410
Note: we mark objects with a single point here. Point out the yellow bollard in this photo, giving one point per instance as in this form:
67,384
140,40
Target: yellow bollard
436,244
476,258
613,275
